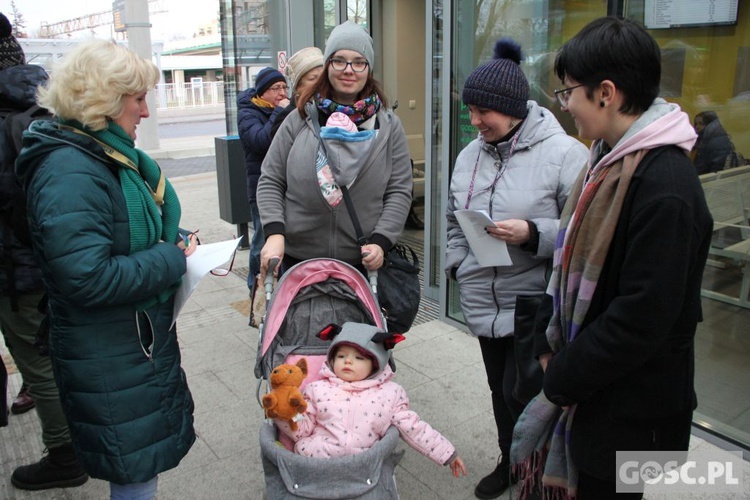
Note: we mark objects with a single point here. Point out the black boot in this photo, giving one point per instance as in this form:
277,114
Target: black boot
59,469
494,484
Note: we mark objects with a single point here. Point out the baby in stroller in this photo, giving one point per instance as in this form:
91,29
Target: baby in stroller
355,402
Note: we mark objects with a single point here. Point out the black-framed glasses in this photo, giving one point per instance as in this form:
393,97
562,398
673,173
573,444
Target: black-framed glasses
220,271
358,65
563,95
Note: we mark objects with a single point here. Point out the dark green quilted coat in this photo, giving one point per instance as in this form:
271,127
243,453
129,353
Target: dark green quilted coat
129,408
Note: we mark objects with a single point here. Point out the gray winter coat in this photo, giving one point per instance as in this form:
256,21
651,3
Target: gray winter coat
291,203
534,187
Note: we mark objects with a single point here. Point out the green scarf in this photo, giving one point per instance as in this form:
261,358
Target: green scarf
153,207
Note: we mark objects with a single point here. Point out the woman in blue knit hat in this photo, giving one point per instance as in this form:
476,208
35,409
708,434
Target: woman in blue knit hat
299,192
257,110
519,170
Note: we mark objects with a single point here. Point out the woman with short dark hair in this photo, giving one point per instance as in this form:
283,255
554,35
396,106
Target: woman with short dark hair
625,288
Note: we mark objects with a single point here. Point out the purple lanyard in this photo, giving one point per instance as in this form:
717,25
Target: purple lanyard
500,169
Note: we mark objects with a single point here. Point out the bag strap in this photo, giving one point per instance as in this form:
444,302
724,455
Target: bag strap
361,240
353,214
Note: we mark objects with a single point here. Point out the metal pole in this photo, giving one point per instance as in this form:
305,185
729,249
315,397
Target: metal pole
139,41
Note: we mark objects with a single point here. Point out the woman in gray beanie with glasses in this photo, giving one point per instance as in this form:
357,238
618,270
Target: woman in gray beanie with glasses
300,188
519,170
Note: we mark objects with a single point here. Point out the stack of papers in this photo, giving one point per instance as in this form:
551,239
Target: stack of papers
205,258
489,251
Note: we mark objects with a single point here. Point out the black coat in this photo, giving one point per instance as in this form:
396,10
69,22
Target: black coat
18,85
712,148
254,127
631,368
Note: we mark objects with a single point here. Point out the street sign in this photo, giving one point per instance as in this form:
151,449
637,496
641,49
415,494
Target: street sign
281,60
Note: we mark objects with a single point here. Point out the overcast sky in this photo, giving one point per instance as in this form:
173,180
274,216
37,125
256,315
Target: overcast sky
183,16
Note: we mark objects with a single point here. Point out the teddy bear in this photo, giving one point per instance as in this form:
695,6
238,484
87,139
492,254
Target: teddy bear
285,400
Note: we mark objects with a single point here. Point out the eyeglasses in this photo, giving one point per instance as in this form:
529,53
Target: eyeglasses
358,65
220,271
278,88
563,95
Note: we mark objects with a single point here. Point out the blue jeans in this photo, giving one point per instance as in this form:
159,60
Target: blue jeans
133,491
256,244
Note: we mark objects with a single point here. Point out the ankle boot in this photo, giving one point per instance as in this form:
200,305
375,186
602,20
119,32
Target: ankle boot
23,402
494,484
58,469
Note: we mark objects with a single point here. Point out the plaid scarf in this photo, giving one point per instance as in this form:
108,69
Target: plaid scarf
540,452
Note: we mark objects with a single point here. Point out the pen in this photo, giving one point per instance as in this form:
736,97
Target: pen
186,240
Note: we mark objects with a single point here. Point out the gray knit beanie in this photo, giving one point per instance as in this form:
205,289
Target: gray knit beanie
500,84
362,337
350,36
11,53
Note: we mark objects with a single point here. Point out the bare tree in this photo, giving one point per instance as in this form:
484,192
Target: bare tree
357,11
19,23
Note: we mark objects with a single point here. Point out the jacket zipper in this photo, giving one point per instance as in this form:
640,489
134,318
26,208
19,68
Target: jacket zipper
148,352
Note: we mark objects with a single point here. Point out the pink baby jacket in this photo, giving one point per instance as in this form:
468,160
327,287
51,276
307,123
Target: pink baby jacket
345,418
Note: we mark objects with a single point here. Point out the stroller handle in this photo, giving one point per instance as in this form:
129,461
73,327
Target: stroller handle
268,282
372,277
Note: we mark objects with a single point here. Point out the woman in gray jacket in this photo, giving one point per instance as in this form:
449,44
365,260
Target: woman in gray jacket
299,192
519,170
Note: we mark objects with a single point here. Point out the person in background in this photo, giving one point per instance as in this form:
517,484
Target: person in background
22,289
104,229
257,109
626,284
519,170
302,70
299,221
713,145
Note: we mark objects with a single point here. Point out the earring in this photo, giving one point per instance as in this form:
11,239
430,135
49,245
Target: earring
601,104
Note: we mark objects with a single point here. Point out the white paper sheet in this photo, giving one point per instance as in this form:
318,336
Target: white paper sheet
205,258
489,251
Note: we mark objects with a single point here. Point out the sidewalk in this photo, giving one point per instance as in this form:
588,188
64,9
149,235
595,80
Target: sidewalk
184,147
439,365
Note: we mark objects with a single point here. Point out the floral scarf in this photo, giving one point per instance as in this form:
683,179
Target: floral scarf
358,112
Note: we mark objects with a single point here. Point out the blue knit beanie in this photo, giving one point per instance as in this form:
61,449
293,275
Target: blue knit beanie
267,77
500,84
350,36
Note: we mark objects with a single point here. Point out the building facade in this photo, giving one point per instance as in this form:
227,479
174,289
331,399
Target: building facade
425,49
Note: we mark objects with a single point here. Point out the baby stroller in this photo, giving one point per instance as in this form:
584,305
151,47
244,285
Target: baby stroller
307,298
